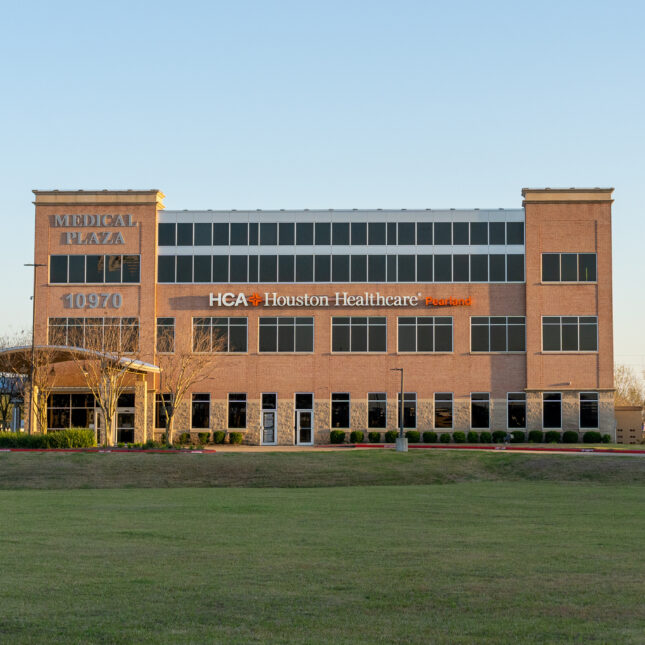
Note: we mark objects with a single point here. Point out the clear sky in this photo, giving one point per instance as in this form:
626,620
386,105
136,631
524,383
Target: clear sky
325,104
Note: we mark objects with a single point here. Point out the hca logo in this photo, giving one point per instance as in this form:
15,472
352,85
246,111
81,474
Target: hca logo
235,300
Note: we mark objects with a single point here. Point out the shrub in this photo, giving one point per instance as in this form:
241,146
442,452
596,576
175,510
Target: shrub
21,440
337,436
459,437
445,437
499,436
219,436
592,436
569,437
374,437
390,436
235,437
552,436
356,436
72,438
151,444
203,437
413,436
429,437
536,436
518,436
184,438
606,438
486,437
472,437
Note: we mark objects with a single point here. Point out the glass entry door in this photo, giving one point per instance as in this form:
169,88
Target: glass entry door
268,427
125,425
304,427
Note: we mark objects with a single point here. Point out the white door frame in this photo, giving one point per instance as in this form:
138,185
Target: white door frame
274,414
299,413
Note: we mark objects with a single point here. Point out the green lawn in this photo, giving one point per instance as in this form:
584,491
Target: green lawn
471,562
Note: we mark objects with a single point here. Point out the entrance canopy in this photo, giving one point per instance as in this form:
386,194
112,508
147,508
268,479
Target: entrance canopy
19,358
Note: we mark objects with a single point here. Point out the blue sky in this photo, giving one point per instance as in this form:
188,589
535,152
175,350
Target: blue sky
287,104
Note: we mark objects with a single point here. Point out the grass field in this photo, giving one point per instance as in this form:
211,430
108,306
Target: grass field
518,550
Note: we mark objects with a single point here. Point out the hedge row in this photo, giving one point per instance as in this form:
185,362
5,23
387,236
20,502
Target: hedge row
219,436
72,438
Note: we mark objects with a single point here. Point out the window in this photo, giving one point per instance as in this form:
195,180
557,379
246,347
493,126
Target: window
377,410
516,410
514,232
96,269
202,268
268,268
340,410
498,334
359,233
409,410
165,335
424,268
497,233
70,411
268,234
340,233
118,334
184,234
460,235
238,268
424,232
376,234
201,411
443,410
376,268
286,232
588,410
304,268
323,233
304,233
236,410
570,333
284,334
203,234
442,268
406,268
568,267
480,410
460,272
442,233
220,234
269,401
166,234
479,233
425,334
407,233
359,334
323,268
359,268
515,268
239,234
220,334
551,410
163,404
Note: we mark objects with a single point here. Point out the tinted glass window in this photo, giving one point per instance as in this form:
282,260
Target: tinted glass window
253,268
424,232
406,269
406,233
268,234
569,267
552,410
184,234
58,269
587,267
239,268
130,268
376,233
166,268
460,233
460,271
184,268
359,233
550,267
497,268
514,232
442,233
322,266
95,267
515,268
478,268
285,268
253,233
442,268
551,334
239,234
340,233
304,401
203,234
166,233
340,268
220,234
202,268
304,268
376,268
76,268
424,268
497,232
287,233
391,232
479,232
323,233
268,268
220,268
359,268
305,233
391,268
113,268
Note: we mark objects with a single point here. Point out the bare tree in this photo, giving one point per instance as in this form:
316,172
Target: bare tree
630,388
112,346
181,369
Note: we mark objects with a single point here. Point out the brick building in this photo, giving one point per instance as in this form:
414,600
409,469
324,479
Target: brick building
500,319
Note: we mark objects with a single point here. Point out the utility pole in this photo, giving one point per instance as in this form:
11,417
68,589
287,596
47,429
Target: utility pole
401,442
33,347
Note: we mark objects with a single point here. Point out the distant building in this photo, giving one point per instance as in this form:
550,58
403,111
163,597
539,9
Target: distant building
629,424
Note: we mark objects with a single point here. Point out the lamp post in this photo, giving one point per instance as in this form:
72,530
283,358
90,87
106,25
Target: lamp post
401,442
33,346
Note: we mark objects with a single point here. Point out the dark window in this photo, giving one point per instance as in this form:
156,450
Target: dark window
253,268
220,234
359,233
460,233
479,233
220,334
480,410
550,267
239,268
359,268
202,268
304,401
569,267
340,410
131,268
166,268
77,268
376,233
570,333
406,268
359,334
286,334
236,411
424,232
239,234
340,268
184,234
285,268
268,234
514,232
269,401
305,233
203,234
377,410
515,268
587,267
322,265
201,410
409,410
391,268
184,268
552,410
442,233
220,268
442,410
340,233
166,234
113,265
406,233
497,268
497,232
497,334
253,233
376,268
166,335
424,268
287,233
479,268
460,272
304,268
516,410
323,233
268,268
588,409
425,333
163,406
391,233
95,269
443,268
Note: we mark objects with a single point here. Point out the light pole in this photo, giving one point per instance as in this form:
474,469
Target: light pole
401,442
33,346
